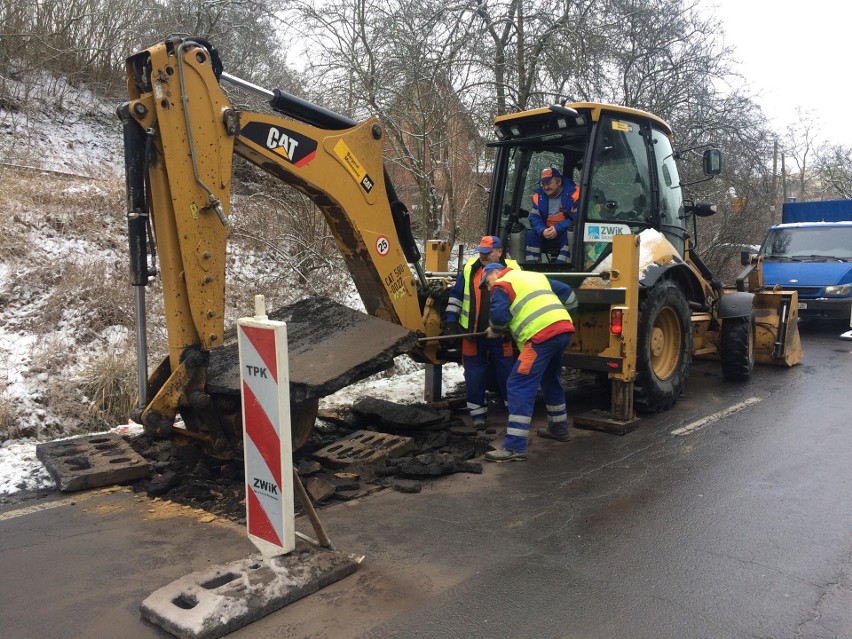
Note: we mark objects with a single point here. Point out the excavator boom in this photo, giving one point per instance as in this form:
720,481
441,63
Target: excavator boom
181,133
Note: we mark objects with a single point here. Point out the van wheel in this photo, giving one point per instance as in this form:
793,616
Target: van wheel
664,347
736,342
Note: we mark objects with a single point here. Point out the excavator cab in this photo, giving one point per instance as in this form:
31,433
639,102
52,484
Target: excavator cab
622,162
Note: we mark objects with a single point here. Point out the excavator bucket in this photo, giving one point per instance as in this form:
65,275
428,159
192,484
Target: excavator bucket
776,315
330,346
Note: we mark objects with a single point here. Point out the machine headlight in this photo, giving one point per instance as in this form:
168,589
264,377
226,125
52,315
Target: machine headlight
841,290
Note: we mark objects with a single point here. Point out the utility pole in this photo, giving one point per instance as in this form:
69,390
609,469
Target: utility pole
783,179
775,172
774,206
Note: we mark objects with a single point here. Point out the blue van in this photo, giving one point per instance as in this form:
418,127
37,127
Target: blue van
811,252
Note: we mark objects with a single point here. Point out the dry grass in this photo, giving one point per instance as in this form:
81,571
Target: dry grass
92,294
293,252
9,425
37,203
108,385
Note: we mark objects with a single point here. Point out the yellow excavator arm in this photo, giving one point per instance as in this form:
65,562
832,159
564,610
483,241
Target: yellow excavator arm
181,133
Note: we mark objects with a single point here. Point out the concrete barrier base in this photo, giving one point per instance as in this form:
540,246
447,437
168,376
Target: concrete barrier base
220,599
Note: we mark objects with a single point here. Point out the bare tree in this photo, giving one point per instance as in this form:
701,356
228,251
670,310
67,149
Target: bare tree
833,168
801,145
400,61
525,39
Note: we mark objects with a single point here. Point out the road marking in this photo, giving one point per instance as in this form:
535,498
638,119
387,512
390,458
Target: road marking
692,427
67,501
13,514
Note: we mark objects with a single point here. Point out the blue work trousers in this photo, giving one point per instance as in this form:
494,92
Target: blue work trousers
538,365
477,354
535,244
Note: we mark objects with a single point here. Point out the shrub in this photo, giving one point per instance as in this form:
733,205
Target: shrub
108,383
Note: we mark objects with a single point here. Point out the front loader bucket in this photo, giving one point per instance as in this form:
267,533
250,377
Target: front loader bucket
776,315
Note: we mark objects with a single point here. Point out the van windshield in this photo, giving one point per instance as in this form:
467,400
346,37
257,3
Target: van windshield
808,243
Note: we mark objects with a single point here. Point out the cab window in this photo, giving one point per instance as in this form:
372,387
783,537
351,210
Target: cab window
619,199
672,217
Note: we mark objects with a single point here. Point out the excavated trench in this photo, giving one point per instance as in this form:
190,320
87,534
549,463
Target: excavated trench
423,443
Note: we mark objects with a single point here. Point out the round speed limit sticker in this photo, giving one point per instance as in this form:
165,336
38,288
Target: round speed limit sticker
382,245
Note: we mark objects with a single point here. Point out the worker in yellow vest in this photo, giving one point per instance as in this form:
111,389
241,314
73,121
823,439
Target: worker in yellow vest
534,310
467,312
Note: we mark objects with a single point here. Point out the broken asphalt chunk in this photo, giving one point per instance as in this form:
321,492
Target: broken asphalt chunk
430,465
389,414
406,485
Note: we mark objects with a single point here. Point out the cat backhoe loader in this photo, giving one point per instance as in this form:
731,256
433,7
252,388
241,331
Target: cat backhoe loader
648,305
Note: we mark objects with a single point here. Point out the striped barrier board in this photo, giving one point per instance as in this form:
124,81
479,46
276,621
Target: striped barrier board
264,377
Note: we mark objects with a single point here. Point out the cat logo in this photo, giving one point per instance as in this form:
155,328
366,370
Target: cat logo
281,143
293,147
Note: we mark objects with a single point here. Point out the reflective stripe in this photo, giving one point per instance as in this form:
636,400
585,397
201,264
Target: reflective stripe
454,305
520,419
536,306
534,316
555,408
518,432
572,302
520,303
465,309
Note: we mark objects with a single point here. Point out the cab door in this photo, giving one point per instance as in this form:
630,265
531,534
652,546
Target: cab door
619,194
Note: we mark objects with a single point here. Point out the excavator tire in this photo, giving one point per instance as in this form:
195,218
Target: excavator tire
664,347
737,346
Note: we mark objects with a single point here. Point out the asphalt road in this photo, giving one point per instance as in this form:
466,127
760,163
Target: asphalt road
739,525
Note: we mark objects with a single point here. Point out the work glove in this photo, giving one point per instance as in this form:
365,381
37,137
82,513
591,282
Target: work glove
490,333
453,328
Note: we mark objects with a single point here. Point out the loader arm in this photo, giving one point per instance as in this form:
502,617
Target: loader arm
181,133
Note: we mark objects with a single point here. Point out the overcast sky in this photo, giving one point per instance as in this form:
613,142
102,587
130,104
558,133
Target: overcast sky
796,54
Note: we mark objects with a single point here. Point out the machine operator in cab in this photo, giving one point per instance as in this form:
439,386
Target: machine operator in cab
554,205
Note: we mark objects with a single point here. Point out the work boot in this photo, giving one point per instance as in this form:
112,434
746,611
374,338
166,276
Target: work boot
504,455
479,424
558,436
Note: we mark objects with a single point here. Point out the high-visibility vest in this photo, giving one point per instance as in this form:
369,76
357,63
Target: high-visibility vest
535,306
464,314
473,290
